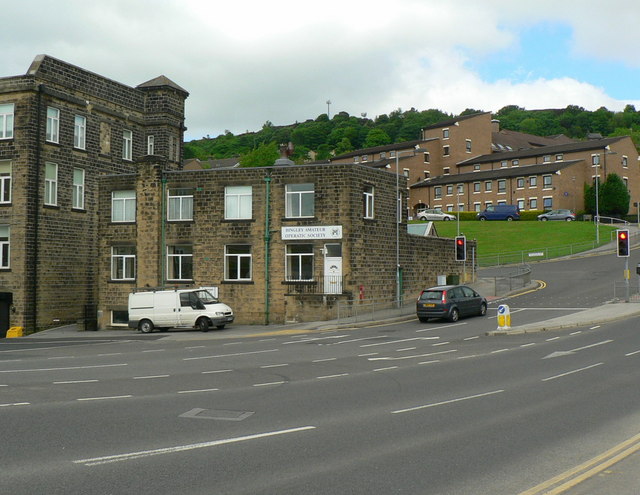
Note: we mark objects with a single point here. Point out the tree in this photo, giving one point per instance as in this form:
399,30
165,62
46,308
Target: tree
263,156
615,197
376,137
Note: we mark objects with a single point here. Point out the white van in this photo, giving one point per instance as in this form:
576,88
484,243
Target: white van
179,308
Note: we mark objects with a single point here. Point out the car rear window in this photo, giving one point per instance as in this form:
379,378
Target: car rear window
430,295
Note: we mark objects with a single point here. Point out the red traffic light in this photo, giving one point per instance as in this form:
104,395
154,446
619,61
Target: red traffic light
461,248
460,241
623,243
622,235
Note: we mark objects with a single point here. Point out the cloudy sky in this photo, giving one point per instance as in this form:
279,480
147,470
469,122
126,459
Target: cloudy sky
252,61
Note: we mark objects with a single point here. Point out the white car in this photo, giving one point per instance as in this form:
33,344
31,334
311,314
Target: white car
430,215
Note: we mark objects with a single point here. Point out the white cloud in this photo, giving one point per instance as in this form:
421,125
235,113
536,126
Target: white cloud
248,62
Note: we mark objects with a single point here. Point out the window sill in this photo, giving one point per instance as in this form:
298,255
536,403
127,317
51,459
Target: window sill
237,220
238,282
122,281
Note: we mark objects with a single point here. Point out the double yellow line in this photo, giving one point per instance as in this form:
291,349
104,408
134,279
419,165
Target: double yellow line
573,477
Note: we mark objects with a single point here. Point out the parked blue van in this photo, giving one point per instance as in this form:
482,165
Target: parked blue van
500,212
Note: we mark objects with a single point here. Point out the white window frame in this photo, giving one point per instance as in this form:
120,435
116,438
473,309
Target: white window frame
533,181
5,246
123,206
6,120
77,193
437,192
445,133
298,258
5,181
238,261
51,184
180,264
449,189
80,132
488,186
468,145
477,188
53,125
123,263
533,203
446,150
300,200
238,202
625,161
547,181
151,145
426,157
548,199
369,201
180,204
127,144
520,182
503,189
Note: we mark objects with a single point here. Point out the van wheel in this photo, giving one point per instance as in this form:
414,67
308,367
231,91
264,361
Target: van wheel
482,219
145,326
509,219
203,324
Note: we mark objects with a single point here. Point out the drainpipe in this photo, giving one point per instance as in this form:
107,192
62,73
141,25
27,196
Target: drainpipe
163,242
267,245
33,290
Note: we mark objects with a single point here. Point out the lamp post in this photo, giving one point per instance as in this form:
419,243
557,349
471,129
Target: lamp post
398,218
597,164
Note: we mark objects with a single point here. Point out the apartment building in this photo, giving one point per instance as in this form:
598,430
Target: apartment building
281,244
61,129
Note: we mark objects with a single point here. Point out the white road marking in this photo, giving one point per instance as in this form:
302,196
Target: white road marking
197,391
593,328
472,338
387,368
442,326
216,371
389,358
195,347
95,461
632,353
499,350
571,372
65,369
430,362
274,365
105,398
412,339
451,401
528,345
230,355
155,350
552,339
323,360
441,343
267,384
74,381
110,354
576,333
368,354
332,376
150,377
16,404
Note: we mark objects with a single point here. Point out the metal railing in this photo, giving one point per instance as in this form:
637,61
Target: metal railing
328,284
620,292
358,310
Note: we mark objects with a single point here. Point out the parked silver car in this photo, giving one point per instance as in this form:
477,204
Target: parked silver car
433,214
566,215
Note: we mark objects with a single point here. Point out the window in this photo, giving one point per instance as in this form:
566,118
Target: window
476,167
533,203
123,206
488,186
520,182
123,263
405,172
127,145
151,147
437,192
520,204
449,190
6,121
364,158
446,150
502,185
237,262
546,158
503,164
533,181
77,193
120,318
547,203
299,200
546,181
515,163
5,181
53,125
180,204
460,188
476,187
445,133
4,246
51,184
80,132
446,170
179,263
299,262
468,145
427,157
625,161
476,206
383,154
559,157
368,202
237,202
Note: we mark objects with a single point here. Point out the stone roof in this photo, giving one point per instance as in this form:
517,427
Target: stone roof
162,81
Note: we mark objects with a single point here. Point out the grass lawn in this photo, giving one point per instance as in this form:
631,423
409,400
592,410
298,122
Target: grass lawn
553,238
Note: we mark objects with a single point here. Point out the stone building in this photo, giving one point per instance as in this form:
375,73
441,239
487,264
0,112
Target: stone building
61,128
281,243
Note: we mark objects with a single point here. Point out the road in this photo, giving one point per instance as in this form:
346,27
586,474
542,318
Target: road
433,408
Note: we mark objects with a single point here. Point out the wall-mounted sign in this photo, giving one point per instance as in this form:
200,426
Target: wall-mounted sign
312,232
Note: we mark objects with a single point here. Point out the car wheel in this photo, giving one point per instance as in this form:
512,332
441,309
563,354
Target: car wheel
446,219
423,319
203,324
454,315
145,326
483,309
569,219
544,219
422,219
482,219
509,219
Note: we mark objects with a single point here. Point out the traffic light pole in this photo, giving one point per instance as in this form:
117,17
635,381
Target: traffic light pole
626,279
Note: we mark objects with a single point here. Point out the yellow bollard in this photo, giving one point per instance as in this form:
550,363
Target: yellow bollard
14,332
504,317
